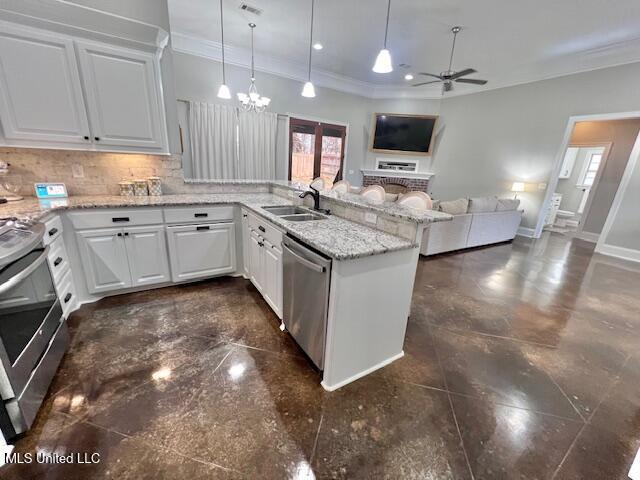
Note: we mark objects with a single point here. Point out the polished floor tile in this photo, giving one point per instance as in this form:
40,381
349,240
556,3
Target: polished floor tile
520,362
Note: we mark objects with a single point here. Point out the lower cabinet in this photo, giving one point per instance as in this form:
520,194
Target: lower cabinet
199,251
265,269
117,258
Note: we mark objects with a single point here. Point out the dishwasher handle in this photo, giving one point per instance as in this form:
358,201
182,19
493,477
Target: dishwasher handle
313,266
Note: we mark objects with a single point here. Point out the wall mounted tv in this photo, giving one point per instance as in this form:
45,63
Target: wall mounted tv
403,134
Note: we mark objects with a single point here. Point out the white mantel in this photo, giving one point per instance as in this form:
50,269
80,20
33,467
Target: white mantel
397,174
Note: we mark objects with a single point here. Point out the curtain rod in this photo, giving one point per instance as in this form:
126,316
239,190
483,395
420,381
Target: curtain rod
187,101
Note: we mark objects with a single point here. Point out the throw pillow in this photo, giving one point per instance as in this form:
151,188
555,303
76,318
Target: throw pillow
482,204
455,207
507,204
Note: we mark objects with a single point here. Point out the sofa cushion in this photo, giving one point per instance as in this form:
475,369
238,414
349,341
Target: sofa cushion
507,204
482,204
455,207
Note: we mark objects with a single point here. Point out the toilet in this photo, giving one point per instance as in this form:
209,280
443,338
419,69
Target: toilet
562,217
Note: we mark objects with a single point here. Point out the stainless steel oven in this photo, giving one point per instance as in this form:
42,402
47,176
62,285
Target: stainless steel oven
33,334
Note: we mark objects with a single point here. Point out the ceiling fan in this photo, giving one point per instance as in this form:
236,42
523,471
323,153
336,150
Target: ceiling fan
449,76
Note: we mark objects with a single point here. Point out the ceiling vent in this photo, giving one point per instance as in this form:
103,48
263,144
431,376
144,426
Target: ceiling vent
245,7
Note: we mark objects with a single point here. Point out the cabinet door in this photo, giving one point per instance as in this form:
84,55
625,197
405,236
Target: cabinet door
40,93
104,258
272,292
246,236
199,251
123,96
256,261
147,254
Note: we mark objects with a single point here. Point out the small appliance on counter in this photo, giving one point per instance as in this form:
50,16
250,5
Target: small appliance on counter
33,331
11,184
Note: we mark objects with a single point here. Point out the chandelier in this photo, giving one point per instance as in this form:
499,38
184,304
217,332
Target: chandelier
253,101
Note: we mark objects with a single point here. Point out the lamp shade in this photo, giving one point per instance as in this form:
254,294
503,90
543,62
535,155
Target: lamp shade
517,187
308,90
383,62
223,92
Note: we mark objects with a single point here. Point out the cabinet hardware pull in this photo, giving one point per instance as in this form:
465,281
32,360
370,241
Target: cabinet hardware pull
261,228
244,215
204,227
119,234
53,231
120,219
199,215
97,139
261,244
86,137
67,297
57,261
126,234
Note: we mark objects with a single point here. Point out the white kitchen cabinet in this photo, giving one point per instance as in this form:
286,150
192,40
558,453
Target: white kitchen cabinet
147,254
272,264
40,91
200,251
246,234
104,258
256,261
123,99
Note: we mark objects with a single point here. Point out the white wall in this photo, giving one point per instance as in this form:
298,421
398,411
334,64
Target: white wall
493,138
198,79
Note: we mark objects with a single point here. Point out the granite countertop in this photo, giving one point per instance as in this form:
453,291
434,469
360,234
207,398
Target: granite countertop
336,237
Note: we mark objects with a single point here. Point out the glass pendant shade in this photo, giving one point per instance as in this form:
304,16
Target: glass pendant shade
383,62
223,92
308,90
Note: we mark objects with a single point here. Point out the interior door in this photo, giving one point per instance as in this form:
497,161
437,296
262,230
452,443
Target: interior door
147,254
316,149
40,92
122,95
104,257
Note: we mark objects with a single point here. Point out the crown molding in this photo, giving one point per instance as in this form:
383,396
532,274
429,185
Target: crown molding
292,70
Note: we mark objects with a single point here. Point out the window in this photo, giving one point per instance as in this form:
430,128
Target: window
315,150
589,173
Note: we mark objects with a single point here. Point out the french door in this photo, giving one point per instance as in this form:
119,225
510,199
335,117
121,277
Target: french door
315,150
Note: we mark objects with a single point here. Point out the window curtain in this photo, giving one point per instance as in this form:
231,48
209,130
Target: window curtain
258,138
213,140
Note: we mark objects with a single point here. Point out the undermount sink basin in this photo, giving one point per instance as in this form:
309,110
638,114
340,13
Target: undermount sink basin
281,210
303,217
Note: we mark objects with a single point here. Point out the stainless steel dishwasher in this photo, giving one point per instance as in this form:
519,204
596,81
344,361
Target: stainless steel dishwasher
305,287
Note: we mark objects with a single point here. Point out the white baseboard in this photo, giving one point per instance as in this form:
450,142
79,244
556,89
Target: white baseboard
526,232
588,236
619,252
384,363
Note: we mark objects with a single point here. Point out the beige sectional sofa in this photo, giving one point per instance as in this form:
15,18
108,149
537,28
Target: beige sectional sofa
487,220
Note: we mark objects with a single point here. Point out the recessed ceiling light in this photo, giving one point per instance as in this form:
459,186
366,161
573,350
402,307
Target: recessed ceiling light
318,46
408,76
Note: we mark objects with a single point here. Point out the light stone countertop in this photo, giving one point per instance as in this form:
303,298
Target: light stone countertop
336,237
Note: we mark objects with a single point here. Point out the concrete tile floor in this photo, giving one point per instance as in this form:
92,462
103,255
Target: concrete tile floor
520,362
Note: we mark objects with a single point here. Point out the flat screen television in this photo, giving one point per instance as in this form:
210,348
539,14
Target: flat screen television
403,134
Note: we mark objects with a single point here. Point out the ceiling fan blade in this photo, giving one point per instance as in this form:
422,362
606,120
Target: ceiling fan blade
425,83
471,80
430,75
462,73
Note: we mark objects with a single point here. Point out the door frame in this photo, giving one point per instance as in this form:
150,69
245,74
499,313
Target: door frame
311,118
555,172
589,236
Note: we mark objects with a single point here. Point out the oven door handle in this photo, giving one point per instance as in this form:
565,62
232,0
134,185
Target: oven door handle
16,279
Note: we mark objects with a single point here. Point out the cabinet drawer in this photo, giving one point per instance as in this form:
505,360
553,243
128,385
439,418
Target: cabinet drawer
200,251
58,259
67,293
199,214
265,229
53,229
115,218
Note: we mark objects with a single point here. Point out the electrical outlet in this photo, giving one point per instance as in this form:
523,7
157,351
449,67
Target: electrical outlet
77,170
370,217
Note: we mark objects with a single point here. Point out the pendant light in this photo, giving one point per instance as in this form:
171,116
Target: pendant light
308,90
383,61
223,91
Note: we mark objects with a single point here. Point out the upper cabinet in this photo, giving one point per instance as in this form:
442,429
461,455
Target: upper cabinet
57,91
40,91
123,98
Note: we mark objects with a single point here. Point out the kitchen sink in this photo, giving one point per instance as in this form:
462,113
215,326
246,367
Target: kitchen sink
303,217
281,210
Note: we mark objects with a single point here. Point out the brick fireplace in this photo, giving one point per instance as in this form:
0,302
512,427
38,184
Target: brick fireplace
396,182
